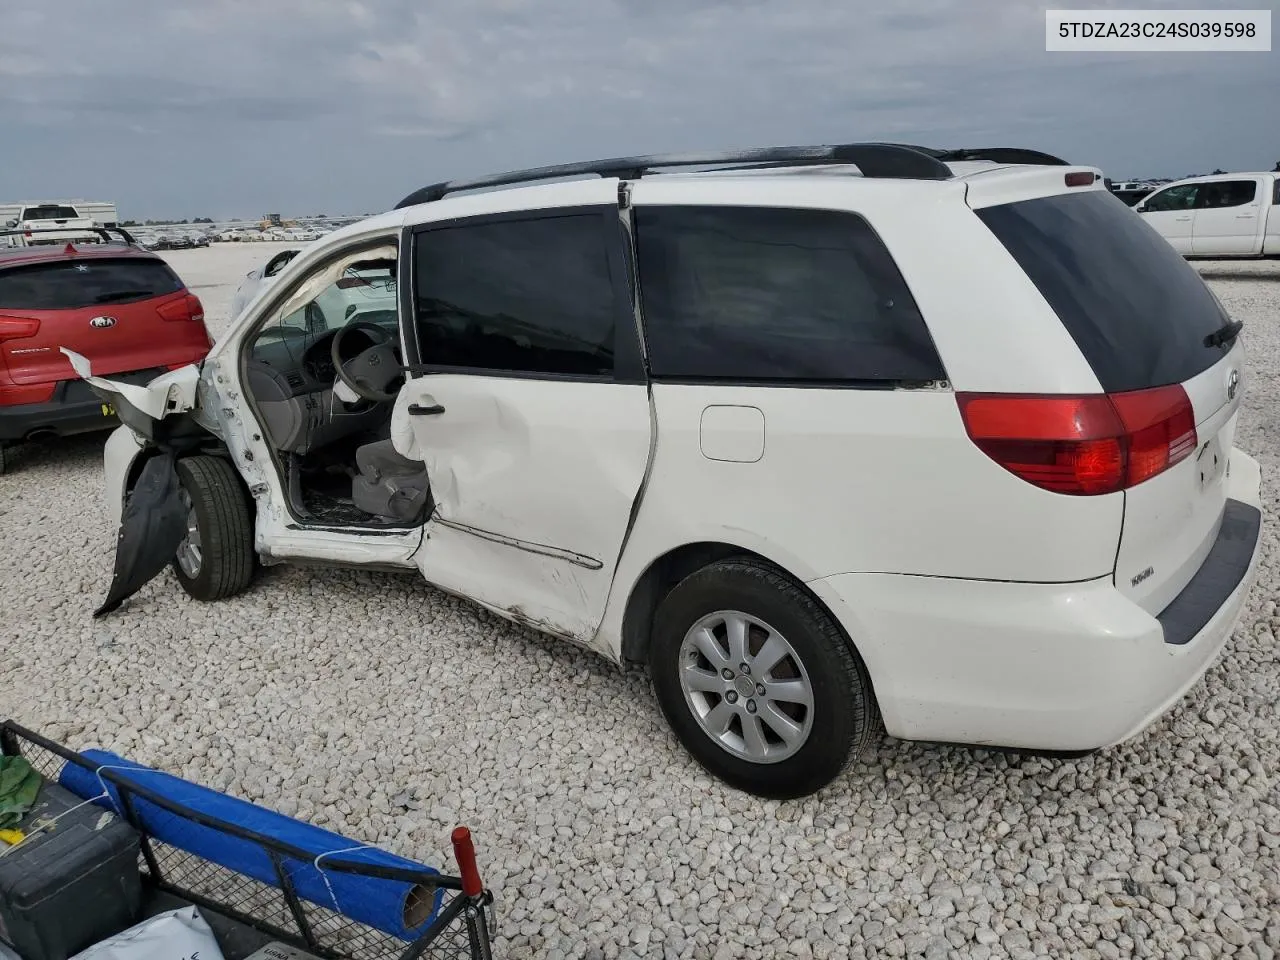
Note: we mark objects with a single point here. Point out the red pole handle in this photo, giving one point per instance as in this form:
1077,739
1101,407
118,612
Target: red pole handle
465,854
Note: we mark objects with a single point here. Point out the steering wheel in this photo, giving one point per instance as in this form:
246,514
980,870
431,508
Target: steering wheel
370,373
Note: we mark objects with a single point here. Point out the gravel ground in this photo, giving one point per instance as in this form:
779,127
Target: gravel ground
374,705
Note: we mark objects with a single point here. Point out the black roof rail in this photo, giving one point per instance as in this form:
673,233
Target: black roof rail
103,232
996,155
892,160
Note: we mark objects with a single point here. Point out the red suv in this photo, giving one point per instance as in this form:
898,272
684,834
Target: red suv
113,302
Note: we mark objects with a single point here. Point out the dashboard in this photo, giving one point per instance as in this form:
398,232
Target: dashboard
290,364
290,375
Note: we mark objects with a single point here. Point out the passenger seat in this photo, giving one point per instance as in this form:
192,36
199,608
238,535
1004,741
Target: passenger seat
388,484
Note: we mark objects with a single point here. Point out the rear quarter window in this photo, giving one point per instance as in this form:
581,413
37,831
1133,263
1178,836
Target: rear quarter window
69,285
1137,311
761,294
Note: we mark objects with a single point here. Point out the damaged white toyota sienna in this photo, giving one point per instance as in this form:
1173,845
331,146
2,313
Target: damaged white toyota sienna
829,437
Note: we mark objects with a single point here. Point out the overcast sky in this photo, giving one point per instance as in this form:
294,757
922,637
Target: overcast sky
221,108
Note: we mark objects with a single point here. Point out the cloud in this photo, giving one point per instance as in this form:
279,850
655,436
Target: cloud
233,106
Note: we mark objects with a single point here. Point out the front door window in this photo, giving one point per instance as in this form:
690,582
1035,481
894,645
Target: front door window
1174,198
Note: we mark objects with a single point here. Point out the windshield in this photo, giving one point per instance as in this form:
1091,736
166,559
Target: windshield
365,291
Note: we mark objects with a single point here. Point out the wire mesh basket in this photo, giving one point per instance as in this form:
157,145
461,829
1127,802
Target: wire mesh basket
247,912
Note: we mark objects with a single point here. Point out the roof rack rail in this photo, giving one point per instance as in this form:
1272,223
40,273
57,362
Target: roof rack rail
996,155
890,160
103,232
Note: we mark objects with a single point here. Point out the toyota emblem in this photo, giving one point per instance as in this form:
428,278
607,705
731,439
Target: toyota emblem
101,323
1233,384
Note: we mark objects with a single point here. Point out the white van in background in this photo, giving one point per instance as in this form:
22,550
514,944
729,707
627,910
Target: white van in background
1227,215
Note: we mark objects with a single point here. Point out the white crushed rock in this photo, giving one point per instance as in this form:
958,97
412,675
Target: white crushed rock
374,705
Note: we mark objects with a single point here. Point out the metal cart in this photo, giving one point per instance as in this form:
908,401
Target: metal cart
246,914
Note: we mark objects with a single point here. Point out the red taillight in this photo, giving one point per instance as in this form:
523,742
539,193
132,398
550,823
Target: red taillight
1083,445
188,308
1161,428
18,328
1079,179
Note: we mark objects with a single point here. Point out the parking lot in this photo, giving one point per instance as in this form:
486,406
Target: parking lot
374,705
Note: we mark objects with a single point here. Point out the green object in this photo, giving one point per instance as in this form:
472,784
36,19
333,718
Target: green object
19,785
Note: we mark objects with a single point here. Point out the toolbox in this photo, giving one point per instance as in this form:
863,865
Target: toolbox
71,882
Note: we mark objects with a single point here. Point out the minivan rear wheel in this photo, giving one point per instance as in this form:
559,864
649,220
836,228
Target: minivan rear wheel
758,682
216,558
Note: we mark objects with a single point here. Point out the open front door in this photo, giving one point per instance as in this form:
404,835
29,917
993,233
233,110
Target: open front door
529,408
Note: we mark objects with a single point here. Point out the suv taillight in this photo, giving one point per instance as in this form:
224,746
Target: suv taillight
188,308
18,328
1083,445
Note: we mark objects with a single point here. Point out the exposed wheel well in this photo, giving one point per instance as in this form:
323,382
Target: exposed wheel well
213,447
659,579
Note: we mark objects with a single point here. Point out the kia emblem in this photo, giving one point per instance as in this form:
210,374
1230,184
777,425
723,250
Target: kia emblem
101,323
1233,384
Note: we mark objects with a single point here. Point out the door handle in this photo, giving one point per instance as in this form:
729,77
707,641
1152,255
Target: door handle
1244,216
1182,218
418,410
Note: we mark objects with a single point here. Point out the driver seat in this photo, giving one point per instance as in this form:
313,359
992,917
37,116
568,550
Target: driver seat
389,485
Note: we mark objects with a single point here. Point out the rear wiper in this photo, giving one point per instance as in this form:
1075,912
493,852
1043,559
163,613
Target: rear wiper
1224,334
121,295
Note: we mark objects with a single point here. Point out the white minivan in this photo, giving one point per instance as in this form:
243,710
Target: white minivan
1231,215
863,432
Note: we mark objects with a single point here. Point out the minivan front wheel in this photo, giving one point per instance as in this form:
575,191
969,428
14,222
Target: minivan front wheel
216,558
757,680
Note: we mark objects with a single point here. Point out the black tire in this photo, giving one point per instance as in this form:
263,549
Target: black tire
844,711
6,458
225,523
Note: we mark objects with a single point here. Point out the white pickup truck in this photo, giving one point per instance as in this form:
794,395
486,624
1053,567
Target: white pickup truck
48,223
1228,215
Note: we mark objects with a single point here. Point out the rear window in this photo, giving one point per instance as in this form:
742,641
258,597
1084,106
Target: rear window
1138,312
50,212
755,294
69,285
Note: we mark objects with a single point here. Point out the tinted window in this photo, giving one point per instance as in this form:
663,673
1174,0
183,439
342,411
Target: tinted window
1275,196
523,296
49,212
772,294
1175,198
1135,308
86,283
1227,193
1130,197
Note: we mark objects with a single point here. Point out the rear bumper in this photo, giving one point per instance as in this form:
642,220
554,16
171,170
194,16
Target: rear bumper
1055,667
75,408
